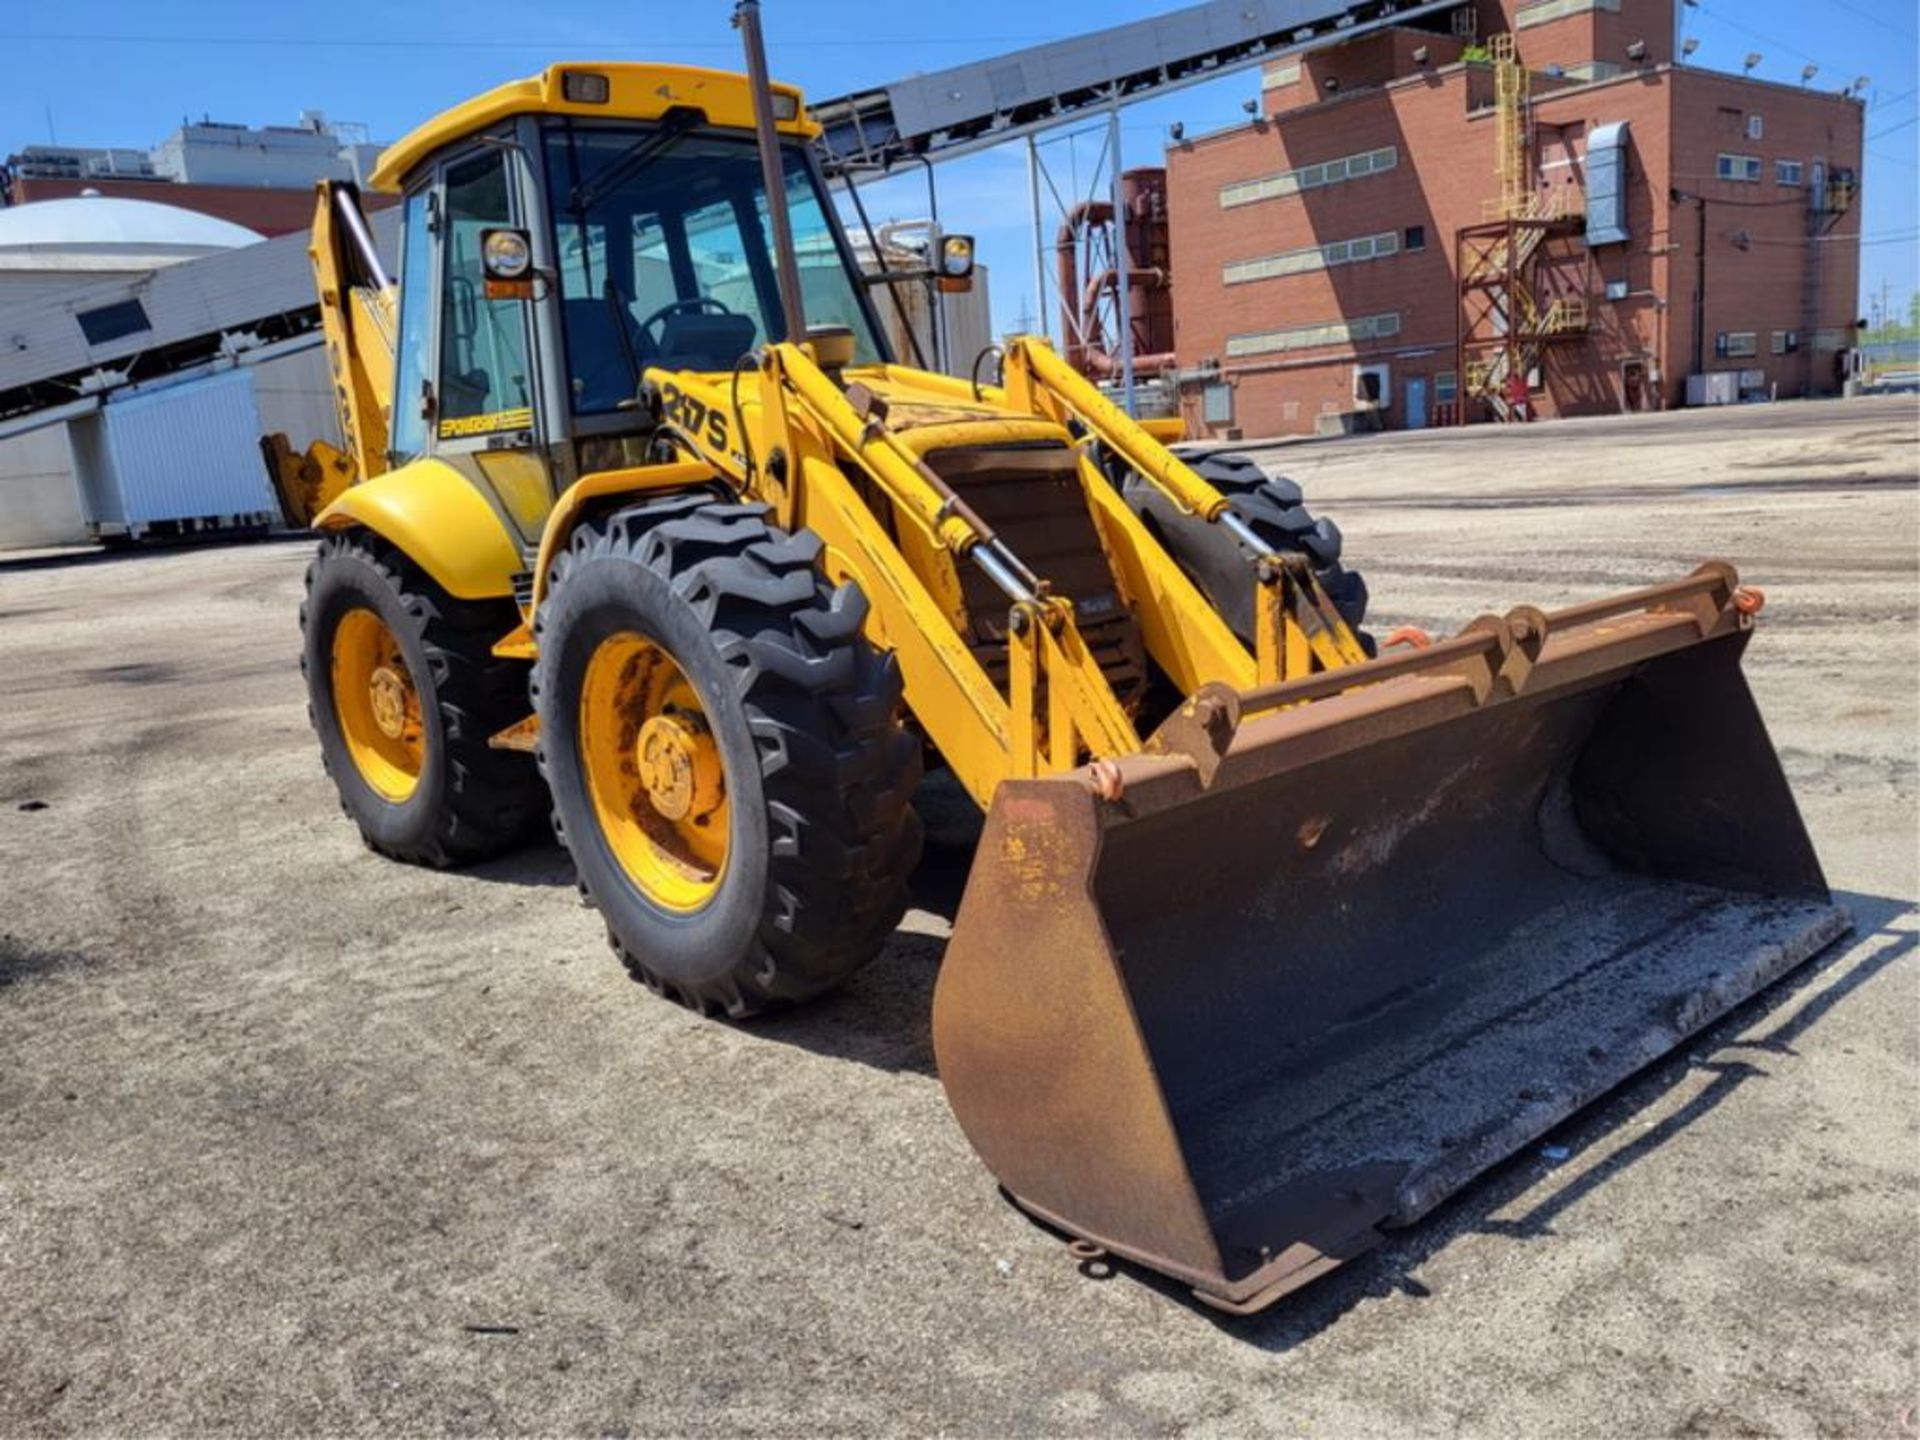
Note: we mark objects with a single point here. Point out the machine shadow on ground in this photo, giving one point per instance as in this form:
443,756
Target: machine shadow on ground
882,1018
77,557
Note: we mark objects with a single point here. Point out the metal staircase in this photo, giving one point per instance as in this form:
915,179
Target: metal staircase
1519,295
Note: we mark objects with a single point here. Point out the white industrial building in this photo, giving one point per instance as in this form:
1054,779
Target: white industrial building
56,244
136,402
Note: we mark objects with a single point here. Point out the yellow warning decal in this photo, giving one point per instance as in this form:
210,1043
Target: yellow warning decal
465,425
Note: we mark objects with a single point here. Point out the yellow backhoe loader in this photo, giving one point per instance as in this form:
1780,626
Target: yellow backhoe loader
1269,942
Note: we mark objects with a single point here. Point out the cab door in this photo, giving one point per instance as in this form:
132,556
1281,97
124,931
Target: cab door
481,400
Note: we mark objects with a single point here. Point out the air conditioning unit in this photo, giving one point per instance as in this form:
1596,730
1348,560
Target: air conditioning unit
1719,387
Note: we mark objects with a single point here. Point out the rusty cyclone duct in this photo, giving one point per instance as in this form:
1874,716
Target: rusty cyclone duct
1090,309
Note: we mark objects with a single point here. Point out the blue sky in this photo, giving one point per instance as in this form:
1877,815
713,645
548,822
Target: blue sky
125,72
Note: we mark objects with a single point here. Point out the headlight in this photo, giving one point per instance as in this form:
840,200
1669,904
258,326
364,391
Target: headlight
506,255
956,256
584,87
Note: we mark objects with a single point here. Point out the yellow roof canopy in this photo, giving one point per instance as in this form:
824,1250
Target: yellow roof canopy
633,92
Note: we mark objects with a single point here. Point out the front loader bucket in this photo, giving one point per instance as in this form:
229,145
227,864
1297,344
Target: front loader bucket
1230,1008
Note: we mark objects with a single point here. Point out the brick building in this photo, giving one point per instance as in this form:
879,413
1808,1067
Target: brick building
1317,251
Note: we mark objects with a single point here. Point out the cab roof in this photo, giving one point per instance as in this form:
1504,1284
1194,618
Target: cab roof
634,92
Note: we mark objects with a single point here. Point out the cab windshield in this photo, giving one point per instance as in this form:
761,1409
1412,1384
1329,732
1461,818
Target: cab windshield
663,254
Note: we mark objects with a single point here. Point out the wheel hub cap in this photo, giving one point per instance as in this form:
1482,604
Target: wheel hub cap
654,772
377,705
679,766
387,690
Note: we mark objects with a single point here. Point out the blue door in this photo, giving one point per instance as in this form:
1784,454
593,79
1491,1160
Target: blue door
1416,404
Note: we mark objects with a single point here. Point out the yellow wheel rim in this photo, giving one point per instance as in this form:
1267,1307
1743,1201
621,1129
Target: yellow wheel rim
377,705
654,773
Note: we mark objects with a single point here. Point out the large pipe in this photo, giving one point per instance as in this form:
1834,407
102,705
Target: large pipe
746,19
1148,311
1074,312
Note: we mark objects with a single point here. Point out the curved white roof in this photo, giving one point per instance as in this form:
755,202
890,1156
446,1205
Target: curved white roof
97,222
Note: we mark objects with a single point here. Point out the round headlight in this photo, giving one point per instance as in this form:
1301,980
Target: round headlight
506,255
956,255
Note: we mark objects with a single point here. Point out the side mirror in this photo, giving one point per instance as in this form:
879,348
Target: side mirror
956,264
506,259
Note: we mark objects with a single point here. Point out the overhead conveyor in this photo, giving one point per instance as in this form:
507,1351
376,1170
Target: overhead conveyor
944,114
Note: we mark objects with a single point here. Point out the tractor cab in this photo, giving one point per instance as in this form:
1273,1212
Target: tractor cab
565,234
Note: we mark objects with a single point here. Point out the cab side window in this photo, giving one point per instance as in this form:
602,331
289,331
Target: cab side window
483,343
409,434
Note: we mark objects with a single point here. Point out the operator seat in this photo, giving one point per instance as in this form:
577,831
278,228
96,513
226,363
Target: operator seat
597,357
705,341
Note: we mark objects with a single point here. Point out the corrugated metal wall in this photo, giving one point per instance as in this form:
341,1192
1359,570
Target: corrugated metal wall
187,452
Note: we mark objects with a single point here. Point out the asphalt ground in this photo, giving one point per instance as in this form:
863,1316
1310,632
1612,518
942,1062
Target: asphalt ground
294,1139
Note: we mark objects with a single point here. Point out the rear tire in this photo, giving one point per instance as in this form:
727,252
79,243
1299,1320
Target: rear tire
720,623
436,793
1275,508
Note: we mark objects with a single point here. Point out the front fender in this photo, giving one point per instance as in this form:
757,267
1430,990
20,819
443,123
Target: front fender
439,521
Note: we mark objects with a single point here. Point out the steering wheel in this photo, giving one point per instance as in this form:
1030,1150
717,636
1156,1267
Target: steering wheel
698,305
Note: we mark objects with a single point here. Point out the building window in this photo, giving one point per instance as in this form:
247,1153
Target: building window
1786,342
1743,168
1310,177
1544,12
1756,127
1787,172
1373,385
1736,344
1310,337
1416,238
1446,387
113,322
1216,404
1317,257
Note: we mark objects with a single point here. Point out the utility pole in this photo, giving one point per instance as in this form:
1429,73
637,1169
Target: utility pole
1123,282
1039,241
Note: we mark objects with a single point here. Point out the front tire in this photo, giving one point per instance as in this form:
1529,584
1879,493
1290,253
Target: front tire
725,753
1274,507
403,691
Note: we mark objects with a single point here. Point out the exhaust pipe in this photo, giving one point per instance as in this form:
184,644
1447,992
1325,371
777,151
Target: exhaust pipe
746,19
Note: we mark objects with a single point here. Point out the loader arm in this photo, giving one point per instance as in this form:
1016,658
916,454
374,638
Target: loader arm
358,303
800,425
1298,629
